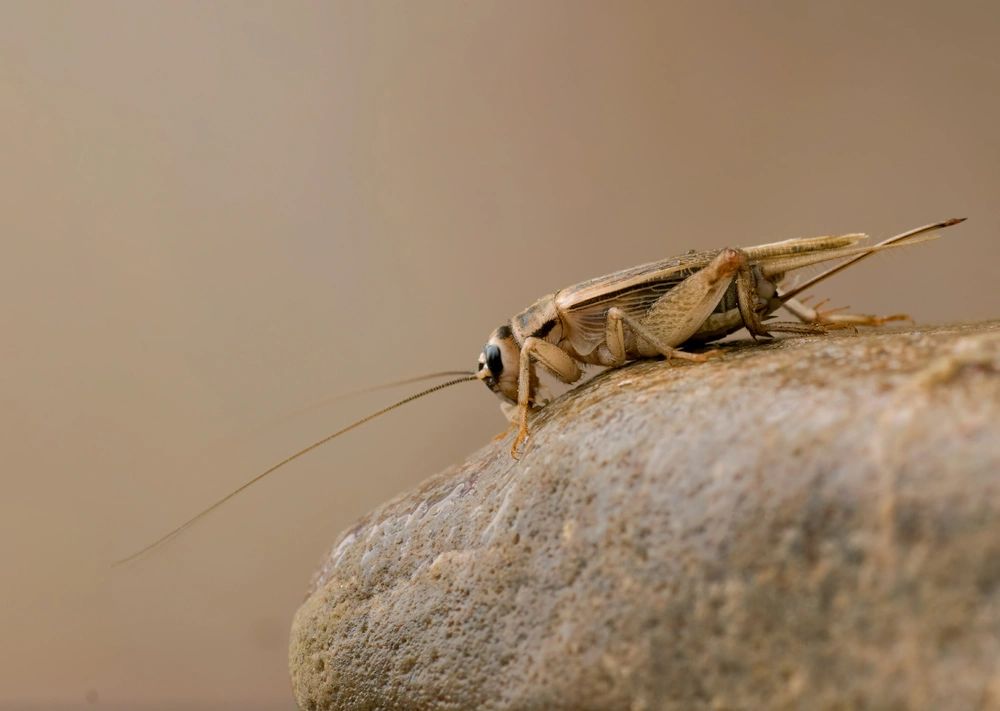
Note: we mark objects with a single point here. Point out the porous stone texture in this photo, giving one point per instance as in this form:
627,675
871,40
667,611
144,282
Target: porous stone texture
812,523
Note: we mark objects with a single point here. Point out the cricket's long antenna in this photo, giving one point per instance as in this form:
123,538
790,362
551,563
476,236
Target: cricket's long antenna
853,260
382,386
467,376
267,425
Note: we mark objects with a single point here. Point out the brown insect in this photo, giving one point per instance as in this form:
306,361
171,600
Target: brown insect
660,308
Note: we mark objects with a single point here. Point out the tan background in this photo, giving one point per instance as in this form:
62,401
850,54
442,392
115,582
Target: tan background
213,214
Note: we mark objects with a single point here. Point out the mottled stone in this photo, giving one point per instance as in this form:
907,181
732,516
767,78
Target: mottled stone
807,524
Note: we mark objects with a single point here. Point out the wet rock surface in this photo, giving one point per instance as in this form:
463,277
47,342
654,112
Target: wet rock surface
812,523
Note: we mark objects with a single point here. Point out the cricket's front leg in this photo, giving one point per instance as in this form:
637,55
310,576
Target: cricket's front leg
552,358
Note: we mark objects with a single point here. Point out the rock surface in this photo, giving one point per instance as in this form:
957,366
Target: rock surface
811,524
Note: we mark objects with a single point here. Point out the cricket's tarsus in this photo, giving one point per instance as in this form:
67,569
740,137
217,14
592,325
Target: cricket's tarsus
466,377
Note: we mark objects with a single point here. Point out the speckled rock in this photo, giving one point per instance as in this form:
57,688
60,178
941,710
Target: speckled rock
807,524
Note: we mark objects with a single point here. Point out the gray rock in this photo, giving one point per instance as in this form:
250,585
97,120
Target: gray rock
807,524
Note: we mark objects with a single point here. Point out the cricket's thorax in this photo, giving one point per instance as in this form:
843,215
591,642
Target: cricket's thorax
540,320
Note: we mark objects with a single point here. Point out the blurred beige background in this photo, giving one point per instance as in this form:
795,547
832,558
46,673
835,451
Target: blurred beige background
214,214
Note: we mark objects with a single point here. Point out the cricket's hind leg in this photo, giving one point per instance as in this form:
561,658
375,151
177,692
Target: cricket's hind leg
753,307
615,341
673,319
836,318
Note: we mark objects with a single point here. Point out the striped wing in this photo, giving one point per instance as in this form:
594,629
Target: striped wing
584,306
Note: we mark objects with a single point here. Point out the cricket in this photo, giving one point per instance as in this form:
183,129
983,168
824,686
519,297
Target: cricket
661,309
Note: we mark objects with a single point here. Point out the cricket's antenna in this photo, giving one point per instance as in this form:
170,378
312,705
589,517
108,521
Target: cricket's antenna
327,401
466,377
795,291
381,386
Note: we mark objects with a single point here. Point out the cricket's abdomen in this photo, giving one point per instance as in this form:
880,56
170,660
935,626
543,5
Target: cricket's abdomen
718,325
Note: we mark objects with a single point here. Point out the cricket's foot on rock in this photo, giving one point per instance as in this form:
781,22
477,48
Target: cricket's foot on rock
809,523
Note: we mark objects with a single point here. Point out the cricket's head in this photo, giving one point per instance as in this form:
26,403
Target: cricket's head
498,363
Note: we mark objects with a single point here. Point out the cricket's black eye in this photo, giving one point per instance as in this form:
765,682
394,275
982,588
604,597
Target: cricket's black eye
493,360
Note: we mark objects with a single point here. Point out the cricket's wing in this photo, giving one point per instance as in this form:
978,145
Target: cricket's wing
584,306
